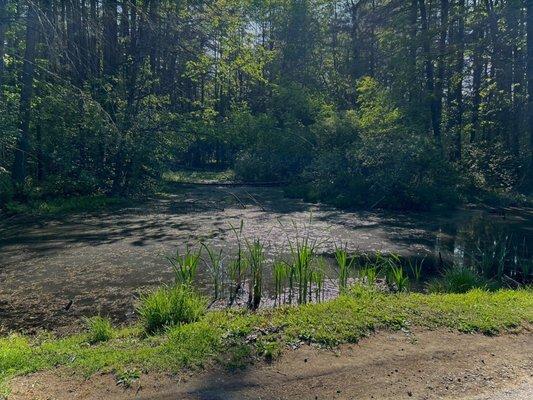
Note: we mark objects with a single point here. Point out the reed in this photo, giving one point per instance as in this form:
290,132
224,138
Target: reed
280,271
185,265
341,255
215,268
256,260
302,252
237,267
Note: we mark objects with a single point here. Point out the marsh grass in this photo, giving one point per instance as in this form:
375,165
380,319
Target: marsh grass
99,329
318,278
342,257
169,306
416,268
458,279
237,268
302,253
280,272
256,259
215,268
185,265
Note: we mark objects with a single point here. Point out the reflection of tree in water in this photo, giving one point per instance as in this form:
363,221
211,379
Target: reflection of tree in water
495,252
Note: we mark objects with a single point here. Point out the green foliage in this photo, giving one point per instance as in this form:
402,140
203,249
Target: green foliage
341,255
457,280
185,265
170,306
99,329
256,259
65,205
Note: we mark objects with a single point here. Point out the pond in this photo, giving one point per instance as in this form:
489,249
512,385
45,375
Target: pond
100,262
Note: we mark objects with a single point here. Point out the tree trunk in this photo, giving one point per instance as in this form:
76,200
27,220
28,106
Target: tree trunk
441,63
457,82
3,27
19,172
430,72
110,37
477,71
529,181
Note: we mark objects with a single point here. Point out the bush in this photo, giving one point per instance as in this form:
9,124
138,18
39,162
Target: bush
169,306
457,280
100,329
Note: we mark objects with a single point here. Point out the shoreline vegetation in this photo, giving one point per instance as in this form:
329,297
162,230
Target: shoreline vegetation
177,330
39,206
234,338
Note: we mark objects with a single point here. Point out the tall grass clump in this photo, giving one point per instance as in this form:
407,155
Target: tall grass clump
185,265
99,329
318,278
457,279
302,252
397,278
341,255
215,268
169,306
256,259
280,271
237,268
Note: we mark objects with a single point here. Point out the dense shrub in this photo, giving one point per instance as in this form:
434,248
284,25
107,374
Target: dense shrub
169,306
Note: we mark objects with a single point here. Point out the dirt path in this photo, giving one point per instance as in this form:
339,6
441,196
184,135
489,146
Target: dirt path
420,365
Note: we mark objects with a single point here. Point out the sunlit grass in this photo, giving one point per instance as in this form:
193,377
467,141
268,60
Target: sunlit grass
221,335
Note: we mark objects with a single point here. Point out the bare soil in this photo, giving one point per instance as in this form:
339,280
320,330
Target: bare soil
387,365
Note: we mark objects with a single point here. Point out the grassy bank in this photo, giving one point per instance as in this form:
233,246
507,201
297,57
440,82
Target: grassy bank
235,337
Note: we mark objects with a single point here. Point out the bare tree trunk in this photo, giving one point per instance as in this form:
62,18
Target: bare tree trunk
430,72
441,62
19,172
3,27
457,82
110,37
529,180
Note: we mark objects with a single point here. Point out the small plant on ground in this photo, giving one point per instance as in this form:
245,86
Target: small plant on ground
185,265
368,275
168,306
99,329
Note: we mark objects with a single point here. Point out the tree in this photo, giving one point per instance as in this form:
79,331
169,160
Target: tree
23,144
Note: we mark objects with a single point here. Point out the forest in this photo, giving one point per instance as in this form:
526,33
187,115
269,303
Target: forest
361,103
